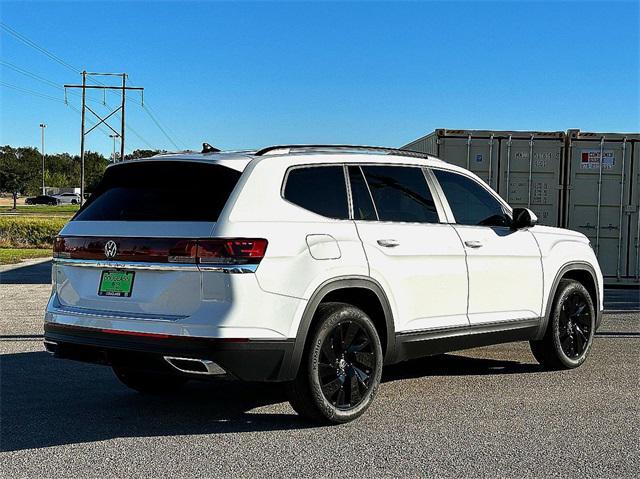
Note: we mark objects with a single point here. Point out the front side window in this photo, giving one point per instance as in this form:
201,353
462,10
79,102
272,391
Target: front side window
400,193
320,189
470,202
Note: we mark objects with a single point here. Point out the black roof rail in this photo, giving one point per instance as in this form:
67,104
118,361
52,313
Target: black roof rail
378,149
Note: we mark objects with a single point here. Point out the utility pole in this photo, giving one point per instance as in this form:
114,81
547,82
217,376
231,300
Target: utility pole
114,147
103,120
42,127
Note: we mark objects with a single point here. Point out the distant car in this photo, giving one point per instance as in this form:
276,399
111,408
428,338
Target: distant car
68,198
42,200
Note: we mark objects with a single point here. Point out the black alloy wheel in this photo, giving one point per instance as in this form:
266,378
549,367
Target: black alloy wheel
341,366
346,365
574,325
570,329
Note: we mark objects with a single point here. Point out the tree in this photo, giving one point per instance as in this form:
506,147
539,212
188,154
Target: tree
137,154
17,168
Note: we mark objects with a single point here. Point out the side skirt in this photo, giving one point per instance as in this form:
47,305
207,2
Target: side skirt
418,344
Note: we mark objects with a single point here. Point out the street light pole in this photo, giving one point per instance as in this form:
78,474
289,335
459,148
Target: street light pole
114,146
42,127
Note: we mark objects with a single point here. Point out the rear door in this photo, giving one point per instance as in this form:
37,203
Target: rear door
411,251
505,267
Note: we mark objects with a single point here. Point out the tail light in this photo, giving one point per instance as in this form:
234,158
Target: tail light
164,250
232,251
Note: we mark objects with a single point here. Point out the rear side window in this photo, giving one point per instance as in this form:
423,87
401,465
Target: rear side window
470,202
320,189
363,208
160,191
401,193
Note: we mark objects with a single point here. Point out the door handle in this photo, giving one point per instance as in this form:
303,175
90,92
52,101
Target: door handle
388,243
473,244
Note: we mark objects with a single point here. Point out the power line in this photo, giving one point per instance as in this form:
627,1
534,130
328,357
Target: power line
29,74
46,97
153,118
40,78
33,44
67,65
31,92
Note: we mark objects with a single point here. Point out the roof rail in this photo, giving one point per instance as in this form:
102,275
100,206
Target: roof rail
361,148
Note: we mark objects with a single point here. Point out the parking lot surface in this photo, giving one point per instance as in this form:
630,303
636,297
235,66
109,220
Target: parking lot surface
484,412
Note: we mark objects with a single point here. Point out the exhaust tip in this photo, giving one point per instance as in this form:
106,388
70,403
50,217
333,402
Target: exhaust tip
50,346
195,366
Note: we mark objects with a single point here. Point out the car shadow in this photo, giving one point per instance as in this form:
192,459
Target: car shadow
46,401
456,365
36,273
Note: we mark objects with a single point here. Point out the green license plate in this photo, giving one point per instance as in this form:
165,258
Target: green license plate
116,283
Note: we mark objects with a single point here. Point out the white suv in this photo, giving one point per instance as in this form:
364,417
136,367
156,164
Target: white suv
68,198
313,266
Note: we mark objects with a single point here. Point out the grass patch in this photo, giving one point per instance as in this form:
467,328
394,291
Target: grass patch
29,231
41,210
15,255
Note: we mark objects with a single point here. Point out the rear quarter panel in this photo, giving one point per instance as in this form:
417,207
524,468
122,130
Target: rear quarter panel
295,235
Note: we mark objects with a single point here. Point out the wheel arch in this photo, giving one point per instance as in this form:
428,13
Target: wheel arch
585,274
356,290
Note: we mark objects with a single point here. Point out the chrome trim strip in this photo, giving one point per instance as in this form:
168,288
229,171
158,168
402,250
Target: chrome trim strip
95,263
220,268
228,268
59,308
475,327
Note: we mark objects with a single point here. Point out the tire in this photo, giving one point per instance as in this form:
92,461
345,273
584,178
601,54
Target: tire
148,382
341,367
569,335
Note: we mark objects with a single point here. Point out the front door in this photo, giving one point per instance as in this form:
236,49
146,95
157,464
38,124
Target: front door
505,267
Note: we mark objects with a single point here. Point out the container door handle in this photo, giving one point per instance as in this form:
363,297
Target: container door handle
473,244
388,243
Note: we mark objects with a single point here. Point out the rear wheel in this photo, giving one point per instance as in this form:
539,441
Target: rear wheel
341,368
570,331
148,382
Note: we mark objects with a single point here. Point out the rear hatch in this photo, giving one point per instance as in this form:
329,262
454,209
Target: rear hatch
132,249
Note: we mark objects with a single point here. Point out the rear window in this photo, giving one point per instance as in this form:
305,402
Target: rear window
321,189
160,191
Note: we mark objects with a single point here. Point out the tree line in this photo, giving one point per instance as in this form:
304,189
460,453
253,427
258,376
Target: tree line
21,169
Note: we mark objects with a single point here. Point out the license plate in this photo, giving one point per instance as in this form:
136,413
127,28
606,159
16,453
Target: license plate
116,283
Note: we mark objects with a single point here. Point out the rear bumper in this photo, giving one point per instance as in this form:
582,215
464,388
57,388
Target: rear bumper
244,359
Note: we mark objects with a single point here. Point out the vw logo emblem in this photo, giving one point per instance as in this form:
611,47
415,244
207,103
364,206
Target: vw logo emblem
110,249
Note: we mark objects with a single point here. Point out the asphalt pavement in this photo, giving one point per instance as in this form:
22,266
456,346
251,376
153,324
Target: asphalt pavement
485,412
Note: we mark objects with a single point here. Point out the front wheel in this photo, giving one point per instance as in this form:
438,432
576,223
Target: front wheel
341,367
570,331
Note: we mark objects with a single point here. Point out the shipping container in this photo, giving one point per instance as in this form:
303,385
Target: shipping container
602,201
524,167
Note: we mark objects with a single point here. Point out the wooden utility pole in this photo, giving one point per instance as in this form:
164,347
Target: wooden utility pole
121,108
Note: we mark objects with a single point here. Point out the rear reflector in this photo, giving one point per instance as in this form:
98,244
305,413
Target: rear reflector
162,250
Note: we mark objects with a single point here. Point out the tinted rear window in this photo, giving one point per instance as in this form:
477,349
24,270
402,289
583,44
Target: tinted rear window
160,191
320,189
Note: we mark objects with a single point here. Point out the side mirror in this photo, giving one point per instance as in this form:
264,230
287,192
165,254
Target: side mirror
523,218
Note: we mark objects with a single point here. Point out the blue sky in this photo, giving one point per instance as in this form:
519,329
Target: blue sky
251,74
